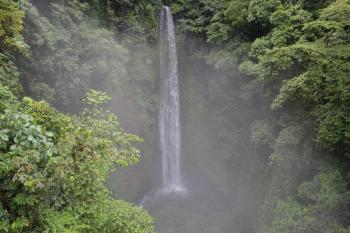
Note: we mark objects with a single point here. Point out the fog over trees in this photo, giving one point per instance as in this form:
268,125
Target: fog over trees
179,116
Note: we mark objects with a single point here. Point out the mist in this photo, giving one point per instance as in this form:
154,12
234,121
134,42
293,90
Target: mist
220,166
222,116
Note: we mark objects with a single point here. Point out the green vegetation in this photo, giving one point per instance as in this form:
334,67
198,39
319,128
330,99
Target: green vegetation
53,169
53,166
294,60
274,73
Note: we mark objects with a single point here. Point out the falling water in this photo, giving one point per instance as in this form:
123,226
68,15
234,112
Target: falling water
169,114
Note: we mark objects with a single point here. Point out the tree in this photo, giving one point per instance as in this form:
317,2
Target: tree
53,169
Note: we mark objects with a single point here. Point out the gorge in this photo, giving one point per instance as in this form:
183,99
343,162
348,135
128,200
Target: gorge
109,123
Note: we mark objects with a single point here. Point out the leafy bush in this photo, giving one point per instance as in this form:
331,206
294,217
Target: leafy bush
53,168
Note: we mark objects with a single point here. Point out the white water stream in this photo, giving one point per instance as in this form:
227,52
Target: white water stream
169,114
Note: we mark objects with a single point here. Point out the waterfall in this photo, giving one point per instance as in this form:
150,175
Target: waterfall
169,114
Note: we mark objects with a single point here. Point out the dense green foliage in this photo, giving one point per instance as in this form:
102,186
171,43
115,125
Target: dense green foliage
67,60
53,166
53,169
295,58
11,26
285,117
73,47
